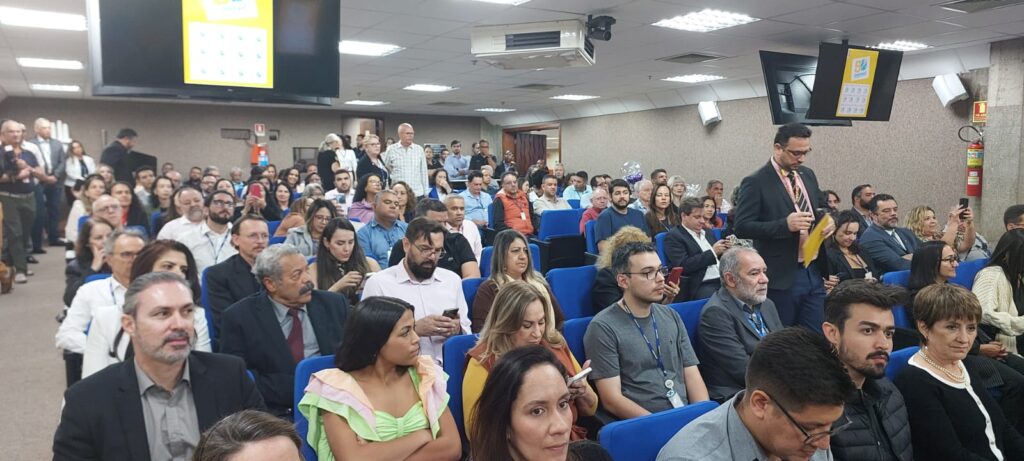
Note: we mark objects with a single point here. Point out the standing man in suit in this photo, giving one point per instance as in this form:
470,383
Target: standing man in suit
154,406
889,246
776,210
118,151
734,321
50,188
289,321
861,198
691,247
229,281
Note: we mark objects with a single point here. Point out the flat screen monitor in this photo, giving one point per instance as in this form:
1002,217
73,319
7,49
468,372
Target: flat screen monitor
855,82
789,79
283,51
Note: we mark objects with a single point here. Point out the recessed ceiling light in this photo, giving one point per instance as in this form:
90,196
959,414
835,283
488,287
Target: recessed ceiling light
901,45
495,109
367,48
52,87
705,20
50,63
575,97
693,78
429,87
41,19
504,2
360,102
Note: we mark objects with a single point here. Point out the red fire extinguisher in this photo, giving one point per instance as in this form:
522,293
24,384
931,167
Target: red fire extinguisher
975,161
259,156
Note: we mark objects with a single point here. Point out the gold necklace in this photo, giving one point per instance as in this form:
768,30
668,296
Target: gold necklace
955,377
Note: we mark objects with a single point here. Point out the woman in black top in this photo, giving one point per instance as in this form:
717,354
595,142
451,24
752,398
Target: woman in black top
844,256
372,163
134,213
951,414
662,215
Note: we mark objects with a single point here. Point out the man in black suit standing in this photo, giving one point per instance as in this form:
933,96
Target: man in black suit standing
776,210
230,280
277,328
155,405
693,248
117,152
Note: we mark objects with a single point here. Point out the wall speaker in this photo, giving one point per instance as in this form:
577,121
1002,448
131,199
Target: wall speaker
709,113
949,89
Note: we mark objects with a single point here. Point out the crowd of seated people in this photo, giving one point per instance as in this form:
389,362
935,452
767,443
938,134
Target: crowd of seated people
175,292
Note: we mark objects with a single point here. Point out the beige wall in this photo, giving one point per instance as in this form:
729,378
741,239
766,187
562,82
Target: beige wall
916,156
189,134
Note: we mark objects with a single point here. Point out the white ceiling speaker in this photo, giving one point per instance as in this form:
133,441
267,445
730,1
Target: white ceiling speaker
709,113
949,89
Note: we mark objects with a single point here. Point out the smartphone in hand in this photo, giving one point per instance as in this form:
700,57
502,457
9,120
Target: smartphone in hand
964,203
452,313
674,275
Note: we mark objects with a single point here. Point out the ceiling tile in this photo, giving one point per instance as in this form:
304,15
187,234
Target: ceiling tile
827,14
874,22
990,17
1014,28
919,32
363,19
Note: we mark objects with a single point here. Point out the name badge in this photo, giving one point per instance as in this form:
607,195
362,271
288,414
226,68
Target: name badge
522,216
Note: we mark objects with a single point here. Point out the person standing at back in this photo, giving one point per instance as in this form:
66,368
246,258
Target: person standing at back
777,213
406,161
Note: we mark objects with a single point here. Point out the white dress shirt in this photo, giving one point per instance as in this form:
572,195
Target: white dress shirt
178,226
702,241
89,298
74,215
73,169
100,348
208,247
430,297
347,160
408,164
472,234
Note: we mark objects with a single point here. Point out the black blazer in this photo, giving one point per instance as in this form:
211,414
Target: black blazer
366,167
840,267
682,250
885,252
764,204
227,283
252,332
102,417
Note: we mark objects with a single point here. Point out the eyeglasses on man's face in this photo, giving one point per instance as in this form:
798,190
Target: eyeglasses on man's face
811,439
651,274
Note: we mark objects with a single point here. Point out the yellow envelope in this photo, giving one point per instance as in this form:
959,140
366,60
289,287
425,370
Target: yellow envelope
814,240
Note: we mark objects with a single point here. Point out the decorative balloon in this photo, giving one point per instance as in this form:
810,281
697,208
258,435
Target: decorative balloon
632,172
693,190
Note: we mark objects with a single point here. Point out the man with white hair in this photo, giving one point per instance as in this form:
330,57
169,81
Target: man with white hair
189,204
50,188
407,162
155,405
109,209
644,189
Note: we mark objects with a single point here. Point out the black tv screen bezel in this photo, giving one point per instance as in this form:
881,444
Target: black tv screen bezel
770,62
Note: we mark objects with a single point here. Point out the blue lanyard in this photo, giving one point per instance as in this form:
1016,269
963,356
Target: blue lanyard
656,348
759,326
216,252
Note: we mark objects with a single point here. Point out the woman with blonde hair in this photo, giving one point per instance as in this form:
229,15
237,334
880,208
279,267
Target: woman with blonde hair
678,186
959,232
512,261
606,290
523,316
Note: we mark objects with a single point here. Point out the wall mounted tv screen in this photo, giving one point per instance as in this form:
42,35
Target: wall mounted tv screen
277,51
789,79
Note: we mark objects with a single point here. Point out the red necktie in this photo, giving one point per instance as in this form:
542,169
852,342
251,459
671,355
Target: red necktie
295,342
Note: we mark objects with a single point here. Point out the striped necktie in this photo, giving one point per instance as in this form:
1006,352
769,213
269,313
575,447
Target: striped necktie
798,194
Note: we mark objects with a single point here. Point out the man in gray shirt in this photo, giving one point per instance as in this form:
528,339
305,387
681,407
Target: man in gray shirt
154,406
641,356
792,405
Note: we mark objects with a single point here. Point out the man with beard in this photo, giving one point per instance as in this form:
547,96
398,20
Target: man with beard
287,322
458,255
195,178
734,321
619,215
209,242
436,293
189,205
859,324
889,246
155,405
861,198
227,282
642,358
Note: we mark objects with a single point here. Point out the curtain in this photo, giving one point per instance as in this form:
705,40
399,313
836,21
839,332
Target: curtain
529,149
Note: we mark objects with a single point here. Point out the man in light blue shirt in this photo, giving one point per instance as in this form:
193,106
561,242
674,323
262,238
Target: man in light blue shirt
456,165
579,189
384,230
477,200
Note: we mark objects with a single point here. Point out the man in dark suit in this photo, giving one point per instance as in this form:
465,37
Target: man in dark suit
889,246
776,210
231,280
155,405
50,189
289,321
733,322
691,247
861,198
114,153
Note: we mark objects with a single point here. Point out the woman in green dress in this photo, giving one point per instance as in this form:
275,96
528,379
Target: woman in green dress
383,401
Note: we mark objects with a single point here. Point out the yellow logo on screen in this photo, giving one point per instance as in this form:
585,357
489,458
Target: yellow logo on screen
228,42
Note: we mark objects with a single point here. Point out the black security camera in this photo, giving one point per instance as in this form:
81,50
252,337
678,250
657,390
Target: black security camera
600,28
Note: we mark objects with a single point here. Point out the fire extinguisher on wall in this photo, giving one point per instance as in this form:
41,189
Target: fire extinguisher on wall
975,160
259,155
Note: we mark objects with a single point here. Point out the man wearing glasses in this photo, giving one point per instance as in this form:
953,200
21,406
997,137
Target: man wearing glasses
776,210
457,255
227,282
209,243
859,324
436,293
791,408
641,355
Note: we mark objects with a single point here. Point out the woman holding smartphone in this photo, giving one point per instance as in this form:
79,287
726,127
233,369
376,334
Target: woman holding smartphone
341,266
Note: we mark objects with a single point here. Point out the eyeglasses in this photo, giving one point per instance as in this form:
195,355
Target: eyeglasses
797,153
949,259
222,203
322,218
108,209
810,439
431,252
371,143
650,274
127,254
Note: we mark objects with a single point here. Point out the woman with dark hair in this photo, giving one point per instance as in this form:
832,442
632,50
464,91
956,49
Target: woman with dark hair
249,435
524,412
134,214
406,200
662,215
163,188
296,216
846,261
362,201
832,200
341,266
304,238
523,316
270,172
260,205
225,185
712,220
93,187
1000,290
290,177
439,185
283,196
107,343
313,178
384,400
77,167
512,261
88,256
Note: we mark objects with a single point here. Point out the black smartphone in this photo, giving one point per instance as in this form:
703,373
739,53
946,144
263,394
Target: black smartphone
964,203
452,313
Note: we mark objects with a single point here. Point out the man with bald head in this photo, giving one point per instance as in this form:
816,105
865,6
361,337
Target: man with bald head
20,171
406,161
189,204
109,209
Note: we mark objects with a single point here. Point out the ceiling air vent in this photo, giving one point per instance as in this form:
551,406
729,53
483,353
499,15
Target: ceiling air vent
693,58
448,104
537,87
974,6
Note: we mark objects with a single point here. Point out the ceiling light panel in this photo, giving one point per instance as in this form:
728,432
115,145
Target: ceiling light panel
901,45
41,19
367,48
574,97
41,63
360,102
429,87
504,2
693,78
495,109
52,87
705,20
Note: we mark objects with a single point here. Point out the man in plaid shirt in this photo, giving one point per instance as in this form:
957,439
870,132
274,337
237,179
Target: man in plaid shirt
407,162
